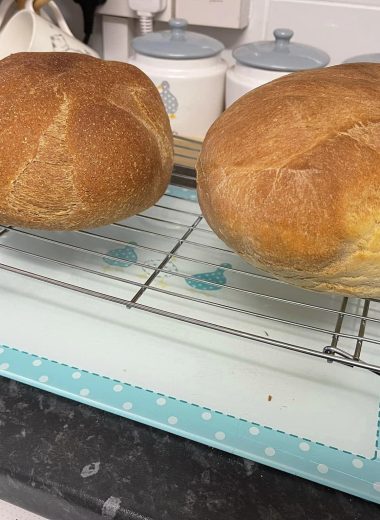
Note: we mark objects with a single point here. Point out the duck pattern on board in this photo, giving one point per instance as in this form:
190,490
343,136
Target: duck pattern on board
169,100
123,256
200,281
126,256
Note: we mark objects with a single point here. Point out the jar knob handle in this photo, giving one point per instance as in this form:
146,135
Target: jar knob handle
178,28
282,36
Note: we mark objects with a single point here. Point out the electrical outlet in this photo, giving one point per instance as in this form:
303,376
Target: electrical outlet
232,14
121,8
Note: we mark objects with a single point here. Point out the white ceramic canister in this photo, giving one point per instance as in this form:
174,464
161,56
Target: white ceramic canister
189,73
364,58
258,63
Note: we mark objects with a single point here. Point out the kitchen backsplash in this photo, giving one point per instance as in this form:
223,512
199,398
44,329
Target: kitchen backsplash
341,28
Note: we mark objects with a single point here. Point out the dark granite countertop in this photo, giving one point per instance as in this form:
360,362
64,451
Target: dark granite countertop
67,461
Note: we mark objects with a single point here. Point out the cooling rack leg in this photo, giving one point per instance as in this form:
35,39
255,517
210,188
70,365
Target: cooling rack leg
331,349
363,321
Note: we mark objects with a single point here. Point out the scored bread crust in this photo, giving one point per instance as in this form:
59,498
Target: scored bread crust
83,142
289,177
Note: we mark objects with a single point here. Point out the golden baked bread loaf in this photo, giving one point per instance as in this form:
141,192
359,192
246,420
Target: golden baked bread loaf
83,142
289,177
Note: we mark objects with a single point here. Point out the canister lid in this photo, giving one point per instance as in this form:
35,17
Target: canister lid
177,43
281,54
364,58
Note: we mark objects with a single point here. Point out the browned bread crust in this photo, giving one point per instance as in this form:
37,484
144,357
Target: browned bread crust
289,177
83,142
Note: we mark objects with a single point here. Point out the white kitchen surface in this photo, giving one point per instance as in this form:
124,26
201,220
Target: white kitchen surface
106,353
310,398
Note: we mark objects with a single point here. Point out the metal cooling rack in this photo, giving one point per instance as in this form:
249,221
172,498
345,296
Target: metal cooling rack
175,210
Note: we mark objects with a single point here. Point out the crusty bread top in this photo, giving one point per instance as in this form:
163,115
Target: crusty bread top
83,141
289,175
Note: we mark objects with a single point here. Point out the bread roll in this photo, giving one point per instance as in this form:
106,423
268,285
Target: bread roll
83,142
289,177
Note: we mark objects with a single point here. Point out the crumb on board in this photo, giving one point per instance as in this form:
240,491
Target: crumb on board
269,397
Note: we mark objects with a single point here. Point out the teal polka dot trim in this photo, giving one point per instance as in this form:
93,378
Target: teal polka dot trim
327,465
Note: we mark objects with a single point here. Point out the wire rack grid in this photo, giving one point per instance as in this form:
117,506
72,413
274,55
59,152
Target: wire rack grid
167,261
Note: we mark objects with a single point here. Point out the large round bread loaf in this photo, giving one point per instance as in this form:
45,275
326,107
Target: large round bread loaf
289,177
83,142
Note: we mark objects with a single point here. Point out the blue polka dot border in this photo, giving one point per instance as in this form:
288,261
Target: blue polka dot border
345,471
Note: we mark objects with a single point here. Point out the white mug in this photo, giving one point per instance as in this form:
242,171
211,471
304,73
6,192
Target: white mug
27,31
